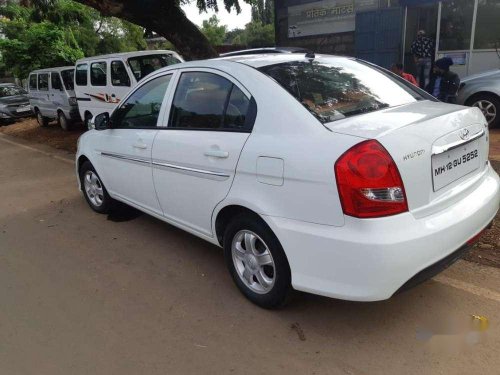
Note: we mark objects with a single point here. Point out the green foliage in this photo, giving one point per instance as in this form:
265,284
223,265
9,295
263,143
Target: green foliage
256,35
263,11
59,33
215,33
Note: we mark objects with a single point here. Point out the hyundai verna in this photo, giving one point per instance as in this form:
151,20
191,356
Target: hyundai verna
316,173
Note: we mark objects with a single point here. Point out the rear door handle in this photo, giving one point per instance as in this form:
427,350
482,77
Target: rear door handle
140,145
217,153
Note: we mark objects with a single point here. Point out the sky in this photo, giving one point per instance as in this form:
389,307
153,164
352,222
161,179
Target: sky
232,20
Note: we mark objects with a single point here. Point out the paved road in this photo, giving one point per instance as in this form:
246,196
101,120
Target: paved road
80,294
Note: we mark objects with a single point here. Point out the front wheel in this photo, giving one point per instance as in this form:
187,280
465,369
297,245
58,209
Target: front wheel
257,262
63,121
490,106
94,191
42,121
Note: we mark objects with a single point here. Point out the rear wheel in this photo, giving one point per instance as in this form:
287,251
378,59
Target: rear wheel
490,106
63,121
94,191
257,262
42,121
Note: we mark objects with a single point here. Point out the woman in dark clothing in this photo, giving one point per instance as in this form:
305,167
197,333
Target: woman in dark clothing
444,83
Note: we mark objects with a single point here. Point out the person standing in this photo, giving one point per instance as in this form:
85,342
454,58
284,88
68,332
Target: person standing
444,84
422,50
398,69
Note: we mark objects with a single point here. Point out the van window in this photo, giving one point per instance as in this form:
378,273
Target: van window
55,81
32,84
119,75
143,65
81,75
98,74
43,81
67,77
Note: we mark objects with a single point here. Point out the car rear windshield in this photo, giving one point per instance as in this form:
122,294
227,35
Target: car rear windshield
143,65
11,91
338,88
68,78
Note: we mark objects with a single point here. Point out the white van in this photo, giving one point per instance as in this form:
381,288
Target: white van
102,81
52,96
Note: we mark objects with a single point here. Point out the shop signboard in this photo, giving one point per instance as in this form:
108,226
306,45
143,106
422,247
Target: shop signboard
326,16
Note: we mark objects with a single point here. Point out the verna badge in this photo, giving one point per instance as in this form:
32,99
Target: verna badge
464,134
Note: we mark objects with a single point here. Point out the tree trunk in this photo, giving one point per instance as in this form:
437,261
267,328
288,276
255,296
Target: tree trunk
164,17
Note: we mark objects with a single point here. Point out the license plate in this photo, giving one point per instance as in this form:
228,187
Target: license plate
23,108
454,164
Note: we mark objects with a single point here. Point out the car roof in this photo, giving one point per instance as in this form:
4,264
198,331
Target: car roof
128,54
265,50
57,69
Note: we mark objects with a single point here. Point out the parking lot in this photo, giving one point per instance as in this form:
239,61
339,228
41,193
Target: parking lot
83,293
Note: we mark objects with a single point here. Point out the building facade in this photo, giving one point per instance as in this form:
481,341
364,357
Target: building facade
382,31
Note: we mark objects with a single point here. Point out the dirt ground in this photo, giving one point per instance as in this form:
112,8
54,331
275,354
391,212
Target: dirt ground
486,251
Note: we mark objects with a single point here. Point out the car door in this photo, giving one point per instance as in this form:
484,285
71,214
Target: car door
196,151
58,97
124,150
43,94
120,81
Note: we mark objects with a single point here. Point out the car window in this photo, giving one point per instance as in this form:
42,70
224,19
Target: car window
142,108
207,101
32,83
55,81
81,75
143,65
119,75
67,77
43,81
340,88
98,74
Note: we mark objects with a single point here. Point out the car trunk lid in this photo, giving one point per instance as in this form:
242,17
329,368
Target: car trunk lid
440,150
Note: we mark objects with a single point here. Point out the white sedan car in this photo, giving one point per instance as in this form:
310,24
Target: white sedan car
319,173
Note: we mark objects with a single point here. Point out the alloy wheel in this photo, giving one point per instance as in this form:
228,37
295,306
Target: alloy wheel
488,108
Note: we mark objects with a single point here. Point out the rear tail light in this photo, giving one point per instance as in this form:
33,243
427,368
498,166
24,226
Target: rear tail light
369,183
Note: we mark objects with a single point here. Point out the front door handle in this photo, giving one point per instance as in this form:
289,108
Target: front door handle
140,145
217,153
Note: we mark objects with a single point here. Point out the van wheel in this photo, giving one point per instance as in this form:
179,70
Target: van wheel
257,262
63,121
42,121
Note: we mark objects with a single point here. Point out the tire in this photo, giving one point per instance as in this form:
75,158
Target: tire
42,121
489,104
63,122
93,189
264,279
86,119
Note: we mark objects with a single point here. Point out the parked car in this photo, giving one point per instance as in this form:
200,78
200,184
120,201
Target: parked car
262,50
324,174
14,103
52,96
102,81
483,91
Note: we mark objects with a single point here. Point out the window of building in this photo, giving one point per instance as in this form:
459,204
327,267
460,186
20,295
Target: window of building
81,75
43,81
142,108
207,101
119,75
456,25
55,81
32,83
98,74
487,25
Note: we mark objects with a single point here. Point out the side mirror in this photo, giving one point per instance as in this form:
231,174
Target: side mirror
101,122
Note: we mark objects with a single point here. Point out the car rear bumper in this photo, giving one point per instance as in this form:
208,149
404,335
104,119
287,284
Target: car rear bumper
371,259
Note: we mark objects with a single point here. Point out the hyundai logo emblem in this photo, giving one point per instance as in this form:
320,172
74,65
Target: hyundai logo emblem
464,134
